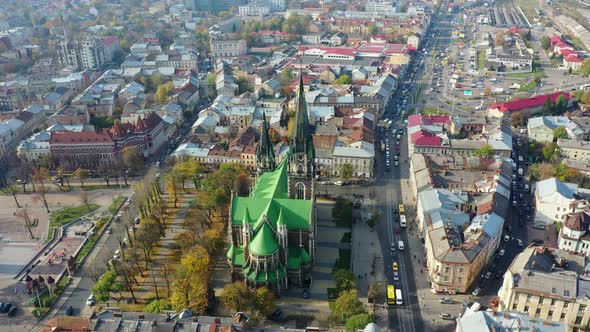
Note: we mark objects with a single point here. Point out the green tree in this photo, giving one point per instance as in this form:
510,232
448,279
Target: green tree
343,79
219,184
550,152
346,171
345,279
547,107
545,43
559,132
347,304
147,237
485,151
104,286
358,322
285,77
585,68
211,81
237,297
157,306
560,105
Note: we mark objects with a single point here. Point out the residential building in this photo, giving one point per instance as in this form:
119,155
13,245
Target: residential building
574,235
548,285
474,319
572,62
541,128
578,151
529,105
384,8
67,324
554,200
85,54
254,9
225,45
147,135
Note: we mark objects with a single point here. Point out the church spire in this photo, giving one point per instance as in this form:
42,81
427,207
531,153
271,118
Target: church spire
265,156
301,142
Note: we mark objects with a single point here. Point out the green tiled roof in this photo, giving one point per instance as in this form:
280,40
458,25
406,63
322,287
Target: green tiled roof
236,255
266,276
296,257
264,242
273,184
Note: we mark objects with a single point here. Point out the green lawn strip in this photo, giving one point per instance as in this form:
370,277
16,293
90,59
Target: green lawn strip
539,74
346,237
530,86
116,204
343,261
434,111
342,212
481,60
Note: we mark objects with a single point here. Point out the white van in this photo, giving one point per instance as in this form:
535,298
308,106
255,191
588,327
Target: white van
400,245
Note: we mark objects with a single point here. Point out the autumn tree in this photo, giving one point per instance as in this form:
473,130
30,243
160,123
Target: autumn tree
147,237
189,290
85,199
162,92
24,214
132,159
264,302
172,187
550,152
585,68
219,184
82,174
40,175
485,151
13,191
345,279
357,322
237,297
343,79
545,43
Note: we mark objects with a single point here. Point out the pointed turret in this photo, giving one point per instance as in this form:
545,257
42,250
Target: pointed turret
265,156
140,125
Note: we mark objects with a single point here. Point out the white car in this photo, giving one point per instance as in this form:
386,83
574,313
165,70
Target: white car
502,252
476,291
506,238
90,301
117,254
395,276
519,242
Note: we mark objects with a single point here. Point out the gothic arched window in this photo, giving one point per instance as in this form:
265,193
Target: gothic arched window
300,187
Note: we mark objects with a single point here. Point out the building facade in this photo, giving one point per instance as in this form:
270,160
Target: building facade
86,54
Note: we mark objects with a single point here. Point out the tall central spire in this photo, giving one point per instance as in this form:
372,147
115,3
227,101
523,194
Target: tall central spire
301,141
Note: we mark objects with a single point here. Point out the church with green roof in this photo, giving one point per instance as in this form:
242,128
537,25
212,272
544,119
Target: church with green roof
272,231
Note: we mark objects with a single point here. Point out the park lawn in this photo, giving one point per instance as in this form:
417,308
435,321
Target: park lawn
481,60
434,111
67,214
534,74
116,204
530,86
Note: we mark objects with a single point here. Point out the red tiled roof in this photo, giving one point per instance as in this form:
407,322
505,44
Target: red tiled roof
109,40
521,104
572,58
424,138
84,137
65,323
416,119
566,51
339,51
555,39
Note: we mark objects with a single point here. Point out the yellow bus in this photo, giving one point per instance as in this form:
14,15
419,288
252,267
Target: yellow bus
402,211
390,294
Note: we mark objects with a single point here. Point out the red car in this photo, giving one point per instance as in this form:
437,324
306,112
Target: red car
458,86
397,148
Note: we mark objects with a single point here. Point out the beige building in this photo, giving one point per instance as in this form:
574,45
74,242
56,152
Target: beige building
222,46
574,150
547,284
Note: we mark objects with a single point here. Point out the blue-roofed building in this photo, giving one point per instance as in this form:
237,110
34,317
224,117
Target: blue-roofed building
504,321
555,199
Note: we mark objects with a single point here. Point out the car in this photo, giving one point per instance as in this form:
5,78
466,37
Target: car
396,163
488,275
395,266
90,301
446,316
506,238
392,248
502,252
519,242
12,311
109,230
476,291
117,254
446,300
5,307
395,276
119,215
339,183
276,314
538,242
70,311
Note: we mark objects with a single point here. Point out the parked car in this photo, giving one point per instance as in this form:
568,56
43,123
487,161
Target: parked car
90,301
446,300
446,316
476,291
70,311
5,307
12,311
502,252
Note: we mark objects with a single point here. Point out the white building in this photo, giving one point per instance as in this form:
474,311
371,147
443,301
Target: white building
86,54
253,9
384,8
554,200
574,236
